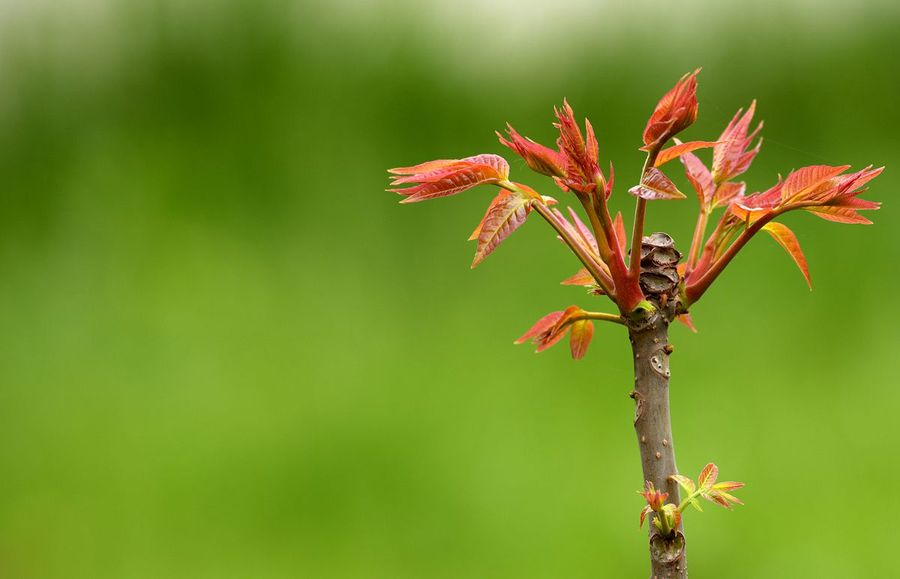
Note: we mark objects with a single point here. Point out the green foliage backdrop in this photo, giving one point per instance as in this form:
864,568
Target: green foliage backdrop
226,352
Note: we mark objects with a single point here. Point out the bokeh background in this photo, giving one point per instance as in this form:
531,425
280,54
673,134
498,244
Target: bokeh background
227,352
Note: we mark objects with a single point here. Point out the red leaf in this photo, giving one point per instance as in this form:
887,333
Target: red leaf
786,239
708,476
580,337
443,178
655,185
676,111
505,215
679,149
541,326
539,158
580,155
552,328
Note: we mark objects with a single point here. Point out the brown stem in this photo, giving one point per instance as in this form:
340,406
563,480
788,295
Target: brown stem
652,424
649,335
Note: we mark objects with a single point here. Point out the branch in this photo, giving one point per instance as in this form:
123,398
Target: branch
637,232
603,280
695,290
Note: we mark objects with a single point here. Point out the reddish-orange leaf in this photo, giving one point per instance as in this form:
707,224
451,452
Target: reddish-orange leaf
804,181
687,320
539,158
786,239
504,216
580,155
443,178
676,111
503,193
541,326
553,327
839,215
582,277
644,512
655,185
580,337
680,149
423,168
708,476
655,498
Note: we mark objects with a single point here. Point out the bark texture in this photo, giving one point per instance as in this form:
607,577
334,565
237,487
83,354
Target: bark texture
649,336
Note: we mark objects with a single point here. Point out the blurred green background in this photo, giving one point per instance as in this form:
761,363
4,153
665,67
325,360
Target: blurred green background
227,352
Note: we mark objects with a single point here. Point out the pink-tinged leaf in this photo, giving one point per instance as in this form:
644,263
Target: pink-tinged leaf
786,239
727,192
580,337
708,476
444,178
804,181
721,498
423,168
583,230
684,482
699,177
644,512
504,217
655,185
731,156
676,151
592,148
582,277
619,229
541,326
718,499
